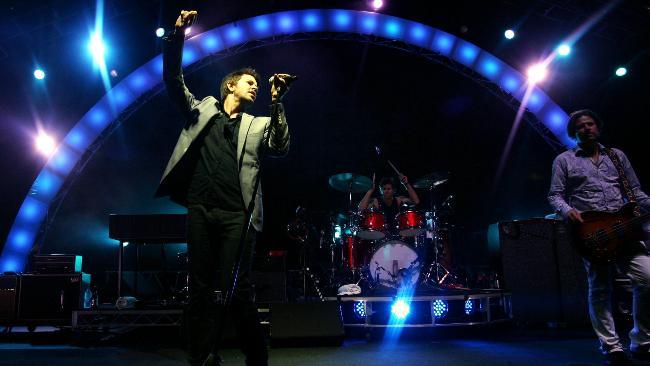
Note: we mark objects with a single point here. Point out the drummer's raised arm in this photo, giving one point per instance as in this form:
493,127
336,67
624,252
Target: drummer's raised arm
413,196
366,200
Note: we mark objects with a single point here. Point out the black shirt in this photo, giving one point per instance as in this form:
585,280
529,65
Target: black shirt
390,212
215,181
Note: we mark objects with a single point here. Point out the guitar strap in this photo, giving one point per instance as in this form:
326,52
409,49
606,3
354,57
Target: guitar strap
627,190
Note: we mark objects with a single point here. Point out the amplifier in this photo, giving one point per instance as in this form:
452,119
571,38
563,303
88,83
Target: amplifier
57,263
49,299
8,292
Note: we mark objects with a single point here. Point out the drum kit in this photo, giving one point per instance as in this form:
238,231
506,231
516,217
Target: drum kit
363,248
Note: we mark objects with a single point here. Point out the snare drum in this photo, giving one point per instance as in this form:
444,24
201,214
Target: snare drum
410,223
372,225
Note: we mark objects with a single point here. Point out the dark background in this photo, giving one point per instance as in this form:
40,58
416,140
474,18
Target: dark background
350,97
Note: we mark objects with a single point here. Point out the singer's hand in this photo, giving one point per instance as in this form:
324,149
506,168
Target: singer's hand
279,86
186,19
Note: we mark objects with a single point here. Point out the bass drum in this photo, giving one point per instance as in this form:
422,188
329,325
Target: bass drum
394,264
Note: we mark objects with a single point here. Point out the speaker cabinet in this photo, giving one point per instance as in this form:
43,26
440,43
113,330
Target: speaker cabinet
8,294
49,299
546,276
306,324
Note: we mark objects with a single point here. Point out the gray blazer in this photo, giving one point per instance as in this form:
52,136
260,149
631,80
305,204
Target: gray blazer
253,131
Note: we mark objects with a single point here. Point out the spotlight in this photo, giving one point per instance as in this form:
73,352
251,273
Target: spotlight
621,71
564,50
509,34
400,309
39,74
377,4
536,73
188,30
113,73
360,309
160,32
439,308
45,144
97,49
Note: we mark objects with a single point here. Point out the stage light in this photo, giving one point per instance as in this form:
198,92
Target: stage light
360,309
377,4
125,244
537,73
188,30
113,73
400,309
621,71
509,34
45,144
39,74
97,49
439,308
469,307
564,50
160,32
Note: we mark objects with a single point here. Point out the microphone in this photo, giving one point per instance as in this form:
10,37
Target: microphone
287,79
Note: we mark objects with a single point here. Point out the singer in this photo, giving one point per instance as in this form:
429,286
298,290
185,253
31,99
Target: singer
212,171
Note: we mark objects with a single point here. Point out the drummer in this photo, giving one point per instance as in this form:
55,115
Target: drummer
389,204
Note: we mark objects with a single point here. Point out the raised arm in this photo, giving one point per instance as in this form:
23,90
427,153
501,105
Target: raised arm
277,133
365,201
172,66
413,196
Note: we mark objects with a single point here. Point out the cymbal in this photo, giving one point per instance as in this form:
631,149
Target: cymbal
343,218
350,182
431,180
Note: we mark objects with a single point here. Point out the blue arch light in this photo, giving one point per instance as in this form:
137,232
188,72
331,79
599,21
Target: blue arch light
149,76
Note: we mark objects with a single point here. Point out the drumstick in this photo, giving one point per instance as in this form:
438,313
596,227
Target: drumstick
397,171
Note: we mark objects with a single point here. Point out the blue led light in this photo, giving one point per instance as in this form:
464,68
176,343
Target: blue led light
261,25
469,307
466,53
190,55
510,83
360,309
97,117
368,23
536,100
489,66
234,35
311,21
443,42
10,264
63,160
119,97
31,211
393,28
342,20
286,23
46,186
154,68
210,43
78,138
439,308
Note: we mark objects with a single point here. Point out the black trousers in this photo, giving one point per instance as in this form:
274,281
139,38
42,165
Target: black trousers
212,239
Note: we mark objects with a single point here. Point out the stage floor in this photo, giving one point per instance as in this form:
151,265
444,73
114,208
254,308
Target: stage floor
506,346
